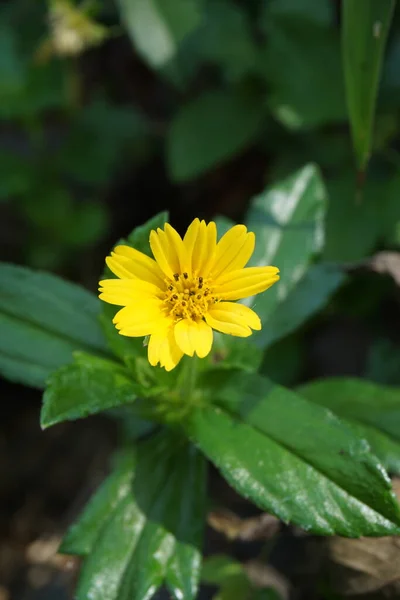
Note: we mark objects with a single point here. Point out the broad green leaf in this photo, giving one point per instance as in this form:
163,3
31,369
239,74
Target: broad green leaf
219,567
157,27
157,526
43,319
310,295
293,458
81,537
311,92
374,410
209,130
365,26
84,388
288,220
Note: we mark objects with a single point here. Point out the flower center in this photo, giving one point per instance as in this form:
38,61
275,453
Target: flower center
188,297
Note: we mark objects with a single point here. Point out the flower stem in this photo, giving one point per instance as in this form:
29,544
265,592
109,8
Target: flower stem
188,381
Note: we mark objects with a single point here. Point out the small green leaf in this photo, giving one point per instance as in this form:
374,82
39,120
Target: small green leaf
84,388
81,537
216,569
157,27
43,319
210,130
303,465
154,528
365,26
374,410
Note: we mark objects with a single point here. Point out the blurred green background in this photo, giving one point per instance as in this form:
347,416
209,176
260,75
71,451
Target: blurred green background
112,110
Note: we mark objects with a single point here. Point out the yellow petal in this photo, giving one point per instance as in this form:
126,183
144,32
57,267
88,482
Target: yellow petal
235,247
141,265
238,313
177,248
200,243
227,321
140,318
126,291
164,253
211,248
193,337
245,282
163,349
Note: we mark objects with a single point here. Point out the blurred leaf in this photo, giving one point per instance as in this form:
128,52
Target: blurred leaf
226,39
81,537
16,175
365,27
157,27
310,93
209,130
97,138
372,409
86,387
286,454
154,532
219,567
320,11
288,220
43,319
353,228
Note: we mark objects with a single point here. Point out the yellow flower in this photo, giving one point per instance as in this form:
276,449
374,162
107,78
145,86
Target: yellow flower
187,291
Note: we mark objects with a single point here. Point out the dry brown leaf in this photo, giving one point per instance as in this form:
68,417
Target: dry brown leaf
262,527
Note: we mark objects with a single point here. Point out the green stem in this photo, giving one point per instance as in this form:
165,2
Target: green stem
189,378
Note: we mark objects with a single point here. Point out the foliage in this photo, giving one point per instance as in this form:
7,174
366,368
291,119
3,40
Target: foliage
234,80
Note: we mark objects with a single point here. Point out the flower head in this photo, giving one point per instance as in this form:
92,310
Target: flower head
187,290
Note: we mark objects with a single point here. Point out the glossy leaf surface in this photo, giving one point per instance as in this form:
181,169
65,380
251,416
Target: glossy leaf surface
152,530
373,410
86,387
302,464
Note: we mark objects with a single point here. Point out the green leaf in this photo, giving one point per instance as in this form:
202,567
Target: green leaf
226,39
288,220
375,215
84,388
157,27
81,536
153,532
43,319
216,569
374,410
293,458
311,92
310,295
365,27
209,130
